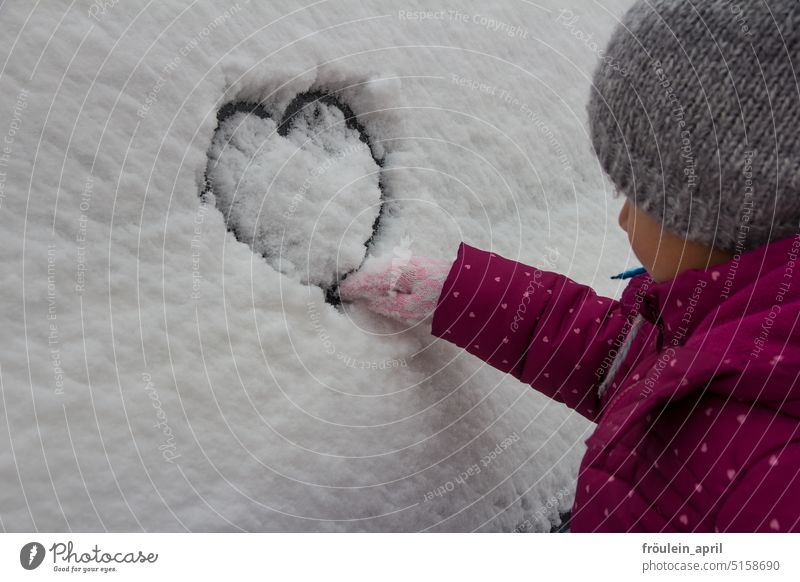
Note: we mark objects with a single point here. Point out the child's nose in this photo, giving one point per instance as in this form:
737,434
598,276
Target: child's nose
623,216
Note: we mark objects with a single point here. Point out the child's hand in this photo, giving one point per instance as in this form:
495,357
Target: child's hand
406,290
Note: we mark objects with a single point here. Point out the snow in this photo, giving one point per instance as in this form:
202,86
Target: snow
159,375
306,201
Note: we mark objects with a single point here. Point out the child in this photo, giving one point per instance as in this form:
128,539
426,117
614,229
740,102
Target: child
692,376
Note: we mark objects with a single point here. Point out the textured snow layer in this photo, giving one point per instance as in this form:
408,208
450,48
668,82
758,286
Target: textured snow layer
306,201
157,374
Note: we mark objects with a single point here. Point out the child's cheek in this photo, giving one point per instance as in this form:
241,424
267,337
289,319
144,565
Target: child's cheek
645,250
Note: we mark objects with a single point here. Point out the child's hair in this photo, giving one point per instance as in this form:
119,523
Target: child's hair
695,116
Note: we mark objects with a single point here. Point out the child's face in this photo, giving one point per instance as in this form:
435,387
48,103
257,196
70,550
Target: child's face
663,253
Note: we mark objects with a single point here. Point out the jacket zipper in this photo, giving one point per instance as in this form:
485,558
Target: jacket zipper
617,397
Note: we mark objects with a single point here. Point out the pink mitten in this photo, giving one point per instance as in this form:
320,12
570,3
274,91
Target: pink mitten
407,292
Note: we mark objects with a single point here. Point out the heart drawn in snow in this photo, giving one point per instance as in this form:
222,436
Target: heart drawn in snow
304,192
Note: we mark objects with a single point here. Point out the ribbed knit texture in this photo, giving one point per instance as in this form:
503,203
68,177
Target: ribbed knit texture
695,116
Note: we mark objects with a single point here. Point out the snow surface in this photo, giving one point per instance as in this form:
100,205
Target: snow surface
306,201
159,375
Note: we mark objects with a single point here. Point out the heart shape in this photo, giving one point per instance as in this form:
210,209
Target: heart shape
283,186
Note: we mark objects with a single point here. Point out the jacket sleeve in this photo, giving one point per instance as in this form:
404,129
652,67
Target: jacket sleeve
764,497
543,328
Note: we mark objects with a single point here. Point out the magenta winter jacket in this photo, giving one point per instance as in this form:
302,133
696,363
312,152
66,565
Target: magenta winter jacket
698,419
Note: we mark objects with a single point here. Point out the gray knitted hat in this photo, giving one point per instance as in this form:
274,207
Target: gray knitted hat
695,116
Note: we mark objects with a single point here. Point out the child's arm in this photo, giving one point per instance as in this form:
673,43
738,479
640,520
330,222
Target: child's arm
541,327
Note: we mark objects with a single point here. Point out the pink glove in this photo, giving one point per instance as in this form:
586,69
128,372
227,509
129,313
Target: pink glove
407,292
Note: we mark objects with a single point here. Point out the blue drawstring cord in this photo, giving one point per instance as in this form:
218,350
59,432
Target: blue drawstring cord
629,273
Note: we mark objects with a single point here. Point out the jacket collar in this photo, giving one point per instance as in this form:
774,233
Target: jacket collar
679,305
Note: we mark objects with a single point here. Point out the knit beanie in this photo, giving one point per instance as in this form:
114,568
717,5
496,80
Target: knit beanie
695,116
